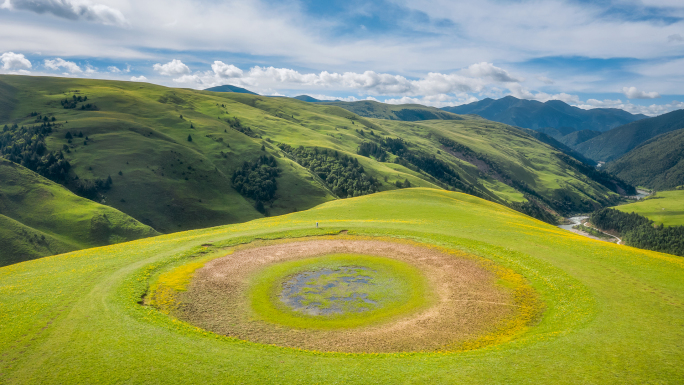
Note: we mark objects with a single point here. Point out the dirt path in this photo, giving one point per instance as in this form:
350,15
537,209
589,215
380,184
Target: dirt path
467,302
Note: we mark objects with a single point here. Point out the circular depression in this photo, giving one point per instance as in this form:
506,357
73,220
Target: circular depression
462,301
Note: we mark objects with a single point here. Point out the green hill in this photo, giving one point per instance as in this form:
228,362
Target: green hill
405,112
307,98
618,141
666,208
658,163
229,88
40,217
611,313
181,159
540,116
574,138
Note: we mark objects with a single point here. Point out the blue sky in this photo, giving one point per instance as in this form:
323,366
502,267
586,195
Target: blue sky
624,53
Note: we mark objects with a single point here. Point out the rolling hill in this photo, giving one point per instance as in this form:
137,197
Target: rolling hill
39,217
611,313
181,159
553,113
665,208
405,112
229,88
658,163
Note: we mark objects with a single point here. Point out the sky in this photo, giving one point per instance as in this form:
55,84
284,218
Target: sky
626,54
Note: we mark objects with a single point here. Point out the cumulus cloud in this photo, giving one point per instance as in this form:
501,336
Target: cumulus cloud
114,69
224,70
488,70
14,61
90,70
522,93
634,93
173,68
71,9
140,78
58,63
652,110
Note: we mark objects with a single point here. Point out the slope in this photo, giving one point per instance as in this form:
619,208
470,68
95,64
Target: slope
174,154
229,88
665,208
40,217
405,112
658,163
613,314
616,142
553,113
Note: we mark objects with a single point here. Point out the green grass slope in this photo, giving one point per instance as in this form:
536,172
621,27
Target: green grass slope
139,135
658,163
405,112
620,140
666,208
40,217
613,314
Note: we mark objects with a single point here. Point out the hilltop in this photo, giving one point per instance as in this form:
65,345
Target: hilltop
555,114
404,112
39,217
618,141
229,88
611,313
181,159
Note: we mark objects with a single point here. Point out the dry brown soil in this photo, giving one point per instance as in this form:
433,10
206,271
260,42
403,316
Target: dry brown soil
466,304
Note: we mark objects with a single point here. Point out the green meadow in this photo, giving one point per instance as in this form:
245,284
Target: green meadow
666,208
612,313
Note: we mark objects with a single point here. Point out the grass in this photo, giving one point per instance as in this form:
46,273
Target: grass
666,208
40,217
397,288
614,314
172,184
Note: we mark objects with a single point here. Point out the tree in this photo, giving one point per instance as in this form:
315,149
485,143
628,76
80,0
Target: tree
263,148
189,138
68,135
120,173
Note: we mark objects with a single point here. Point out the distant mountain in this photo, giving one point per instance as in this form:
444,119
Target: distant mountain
574,138
405,112
307,98
554,113
658,163
229,88
614,143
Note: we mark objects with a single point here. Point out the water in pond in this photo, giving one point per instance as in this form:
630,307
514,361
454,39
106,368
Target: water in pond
330,291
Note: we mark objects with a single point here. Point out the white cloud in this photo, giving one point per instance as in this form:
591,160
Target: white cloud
173,68
70,9
114,69
226,70
482,70
544,79
58,63
14,61
140,78
633,93
196,79
90,70
652,110
522,93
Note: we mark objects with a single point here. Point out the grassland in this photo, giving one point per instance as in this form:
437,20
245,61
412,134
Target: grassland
666,208
40,217
138,135
613,313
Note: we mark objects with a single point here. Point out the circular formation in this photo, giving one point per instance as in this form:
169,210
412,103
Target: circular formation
336,291
359,296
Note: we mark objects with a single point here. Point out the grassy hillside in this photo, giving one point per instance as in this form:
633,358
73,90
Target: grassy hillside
574,138
229,88
612,314
39,217
658,163
666,208
172,154
540,116
405,112
616,142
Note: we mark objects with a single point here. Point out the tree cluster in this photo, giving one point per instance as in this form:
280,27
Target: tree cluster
343,174
236,124
73,102
257,180
639,231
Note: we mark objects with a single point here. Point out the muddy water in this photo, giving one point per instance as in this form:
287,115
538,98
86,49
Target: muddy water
327,291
